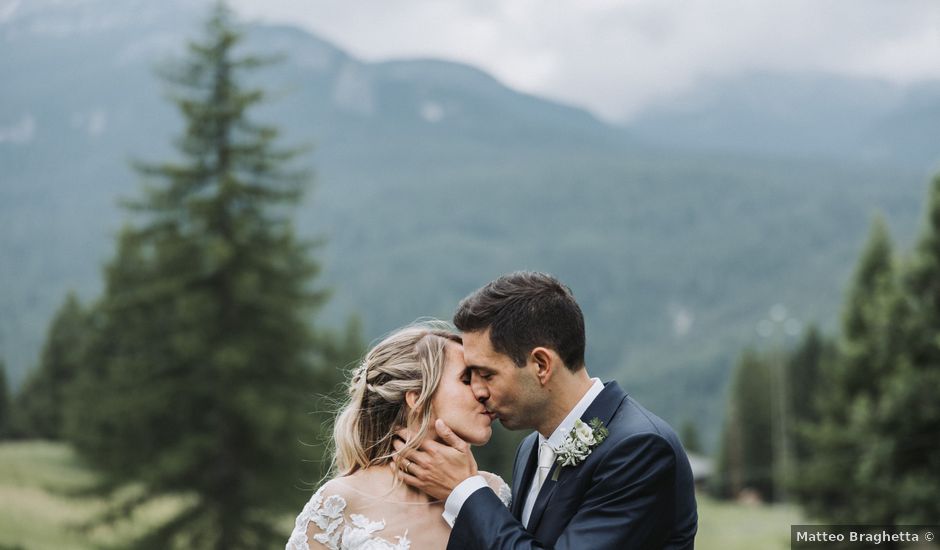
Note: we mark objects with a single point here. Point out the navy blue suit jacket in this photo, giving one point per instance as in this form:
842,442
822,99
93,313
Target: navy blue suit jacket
633,492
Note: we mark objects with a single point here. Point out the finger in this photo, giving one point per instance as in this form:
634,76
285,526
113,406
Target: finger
449,436
411,480
415,470
407,467
413,455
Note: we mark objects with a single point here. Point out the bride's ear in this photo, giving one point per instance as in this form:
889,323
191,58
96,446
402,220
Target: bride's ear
411,399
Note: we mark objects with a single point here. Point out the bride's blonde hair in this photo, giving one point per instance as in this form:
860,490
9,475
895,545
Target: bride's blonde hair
410,359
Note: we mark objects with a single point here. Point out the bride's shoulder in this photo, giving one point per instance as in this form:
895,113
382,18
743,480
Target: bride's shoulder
334,489
340,492
498,486
323,516
330,500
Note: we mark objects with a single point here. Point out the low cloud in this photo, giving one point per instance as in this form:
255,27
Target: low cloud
19,132
616,57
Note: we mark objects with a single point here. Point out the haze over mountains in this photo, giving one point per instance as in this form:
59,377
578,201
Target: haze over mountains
677,232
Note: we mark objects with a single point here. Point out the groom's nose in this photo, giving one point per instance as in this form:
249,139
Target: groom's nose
478,387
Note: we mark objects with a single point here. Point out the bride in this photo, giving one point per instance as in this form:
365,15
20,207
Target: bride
408,380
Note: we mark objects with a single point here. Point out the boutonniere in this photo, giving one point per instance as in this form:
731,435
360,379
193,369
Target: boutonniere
579,443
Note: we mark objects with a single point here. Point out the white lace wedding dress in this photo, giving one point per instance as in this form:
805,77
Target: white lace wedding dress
364,512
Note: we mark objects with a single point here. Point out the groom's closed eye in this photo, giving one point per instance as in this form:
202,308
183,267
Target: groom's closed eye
484,374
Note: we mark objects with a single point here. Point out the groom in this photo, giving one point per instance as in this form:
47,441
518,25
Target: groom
599,471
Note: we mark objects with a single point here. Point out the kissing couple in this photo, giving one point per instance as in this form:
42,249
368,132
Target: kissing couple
598,472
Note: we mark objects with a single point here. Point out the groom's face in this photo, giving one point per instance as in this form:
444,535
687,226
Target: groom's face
512,393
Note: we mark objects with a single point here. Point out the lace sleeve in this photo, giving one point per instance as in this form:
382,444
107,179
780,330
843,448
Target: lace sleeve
320,521
499,487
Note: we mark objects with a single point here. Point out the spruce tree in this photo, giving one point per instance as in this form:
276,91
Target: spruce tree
869,343
40,404
833,484
805,388
202,367
746,457
690,438
904,454
5,410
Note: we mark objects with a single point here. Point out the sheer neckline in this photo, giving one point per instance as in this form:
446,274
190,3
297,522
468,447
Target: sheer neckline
384,498
370,522
340,481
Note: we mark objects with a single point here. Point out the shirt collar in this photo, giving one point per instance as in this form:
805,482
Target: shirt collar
558,436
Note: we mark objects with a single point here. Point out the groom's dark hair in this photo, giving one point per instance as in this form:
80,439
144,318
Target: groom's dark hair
524,310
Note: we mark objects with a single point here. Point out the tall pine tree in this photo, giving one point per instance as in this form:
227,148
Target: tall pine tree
202,368
834,484
746,456
804,390
5,424
905,454
691,441
40,404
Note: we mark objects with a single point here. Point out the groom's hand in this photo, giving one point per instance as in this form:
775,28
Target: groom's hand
436,468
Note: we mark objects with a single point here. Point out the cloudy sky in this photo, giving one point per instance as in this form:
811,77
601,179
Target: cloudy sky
615,56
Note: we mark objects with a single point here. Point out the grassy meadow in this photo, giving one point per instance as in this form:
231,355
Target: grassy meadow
39,508
38,513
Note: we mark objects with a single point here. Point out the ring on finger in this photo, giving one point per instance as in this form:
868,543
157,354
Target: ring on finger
407,466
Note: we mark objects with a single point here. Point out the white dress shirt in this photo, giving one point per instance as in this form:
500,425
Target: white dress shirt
467,487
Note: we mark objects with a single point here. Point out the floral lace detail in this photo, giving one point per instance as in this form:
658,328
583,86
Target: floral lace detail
327,514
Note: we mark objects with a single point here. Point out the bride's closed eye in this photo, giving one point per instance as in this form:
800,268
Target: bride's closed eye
465,377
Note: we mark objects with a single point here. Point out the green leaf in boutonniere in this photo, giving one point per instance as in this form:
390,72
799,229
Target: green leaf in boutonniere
600,431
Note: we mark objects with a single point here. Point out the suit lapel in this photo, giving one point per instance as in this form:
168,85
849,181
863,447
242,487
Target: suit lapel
523,473
603,407
606,404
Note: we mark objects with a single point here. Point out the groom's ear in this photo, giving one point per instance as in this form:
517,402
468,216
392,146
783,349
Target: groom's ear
545,367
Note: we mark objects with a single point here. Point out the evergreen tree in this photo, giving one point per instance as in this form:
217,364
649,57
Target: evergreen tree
202,366
690,438
805,388
746,458
40,404
834,484
870,344
903,456
5,424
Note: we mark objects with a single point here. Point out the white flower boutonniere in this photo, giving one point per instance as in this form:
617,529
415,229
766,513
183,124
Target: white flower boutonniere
579,443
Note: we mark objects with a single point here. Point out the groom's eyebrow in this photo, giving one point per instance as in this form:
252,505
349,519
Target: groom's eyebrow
480,368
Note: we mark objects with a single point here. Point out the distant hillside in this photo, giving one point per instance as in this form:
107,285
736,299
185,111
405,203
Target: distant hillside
812,115
432,178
